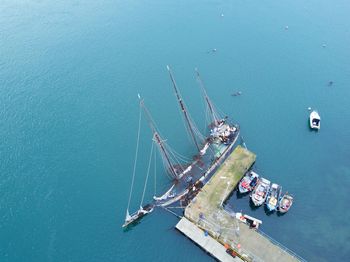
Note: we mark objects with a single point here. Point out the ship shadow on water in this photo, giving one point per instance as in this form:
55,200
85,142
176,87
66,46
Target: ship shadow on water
311,130
227,200
241,195
267,211
279,214
131,226
252,206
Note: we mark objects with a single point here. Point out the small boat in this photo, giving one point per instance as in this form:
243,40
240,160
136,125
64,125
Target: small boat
315,120
285,203
260,192
248,182
251,221
138,214
273,197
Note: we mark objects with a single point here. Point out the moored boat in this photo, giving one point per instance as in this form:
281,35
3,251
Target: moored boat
273,197
212,149
315,120
285,203
260,192
248,182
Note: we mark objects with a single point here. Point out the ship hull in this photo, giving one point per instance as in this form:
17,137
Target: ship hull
220,158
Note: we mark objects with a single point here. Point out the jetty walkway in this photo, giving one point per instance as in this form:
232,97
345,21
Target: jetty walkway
215,229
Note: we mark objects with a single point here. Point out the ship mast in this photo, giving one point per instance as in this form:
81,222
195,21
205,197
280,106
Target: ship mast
214,116
184,111
160,142
166,155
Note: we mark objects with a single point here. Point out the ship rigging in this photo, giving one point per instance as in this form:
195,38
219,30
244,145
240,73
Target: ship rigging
184,175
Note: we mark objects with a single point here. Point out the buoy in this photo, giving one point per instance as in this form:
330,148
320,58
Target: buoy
309,108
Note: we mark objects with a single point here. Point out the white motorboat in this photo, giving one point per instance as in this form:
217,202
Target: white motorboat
315,120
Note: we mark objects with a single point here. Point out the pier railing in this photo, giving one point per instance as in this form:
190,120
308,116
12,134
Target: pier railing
228,209
286,249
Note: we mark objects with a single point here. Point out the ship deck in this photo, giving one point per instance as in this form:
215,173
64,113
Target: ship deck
206,213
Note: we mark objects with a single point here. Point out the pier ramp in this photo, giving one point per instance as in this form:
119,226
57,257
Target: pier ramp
205,241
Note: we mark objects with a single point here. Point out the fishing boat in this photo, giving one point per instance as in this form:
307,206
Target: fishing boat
211,151
315,120
285,203
248,182
260,192
273,197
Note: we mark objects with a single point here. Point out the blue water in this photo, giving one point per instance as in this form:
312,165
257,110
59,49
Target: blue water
70,72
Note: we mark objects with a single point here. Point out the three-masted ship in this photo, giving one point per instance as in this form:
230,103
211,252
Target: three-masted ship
212,150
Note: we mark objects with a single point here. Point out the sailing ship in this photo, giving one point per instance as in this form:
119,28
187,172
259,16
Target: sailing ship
211,150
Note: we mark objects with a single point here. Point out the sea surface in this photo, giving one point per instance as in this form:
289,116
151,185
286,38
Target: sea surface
70,72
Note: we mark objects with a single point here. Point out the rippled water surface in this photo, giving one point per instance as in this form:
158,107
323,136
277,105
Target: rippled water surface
70,72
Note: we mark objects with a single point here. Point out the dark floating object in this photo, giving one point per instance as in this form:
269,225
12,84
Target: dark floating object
212,51
237,93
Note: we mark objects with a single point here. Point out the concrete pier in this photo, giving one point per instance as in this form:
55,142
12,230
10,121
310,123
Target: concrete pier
206,214
208,243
